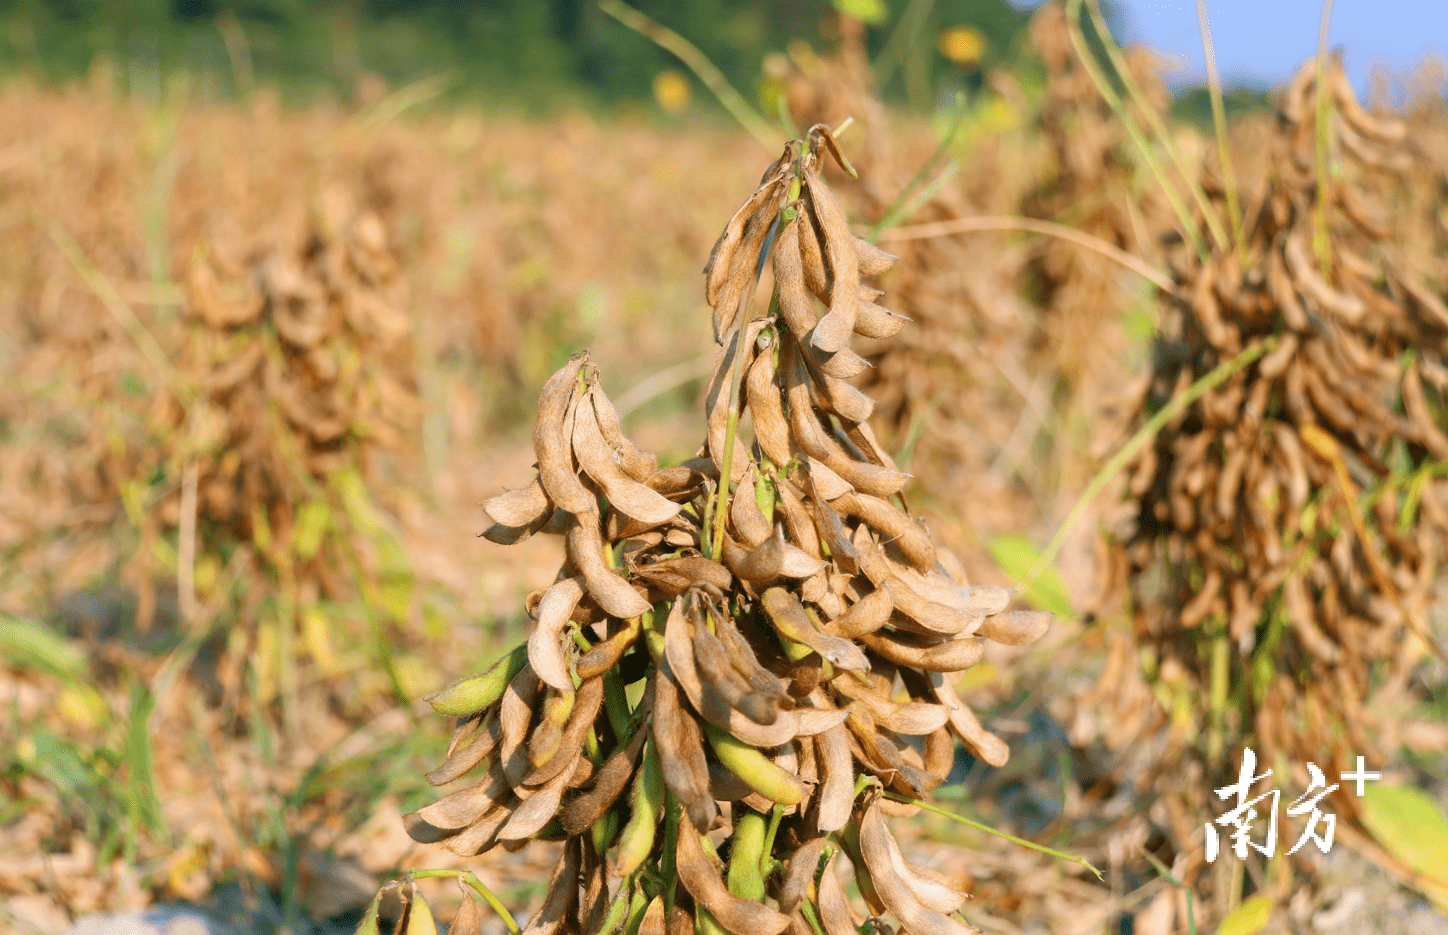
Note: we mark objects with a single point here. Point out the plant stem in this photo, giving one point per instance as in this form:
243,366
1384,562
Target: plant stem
896,213
700,65
1219,119
1143,435
895,796
1088,61
736,375
1049,228
1320,242
1154,121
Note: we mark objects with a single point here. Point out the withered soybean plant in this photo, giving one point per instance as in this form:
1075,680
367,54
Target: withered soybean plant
1289,523
727,655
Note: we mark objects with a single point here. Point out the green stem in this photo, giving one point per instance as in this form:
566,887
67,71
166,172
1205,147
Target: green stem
1154,121
896,212
700,65
897,797
1143,435
736,376
1088,61
1219,120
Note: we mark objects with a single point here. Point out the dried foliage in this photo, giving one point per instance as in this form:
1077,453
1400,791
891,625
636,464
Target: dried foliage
711,651
1289,523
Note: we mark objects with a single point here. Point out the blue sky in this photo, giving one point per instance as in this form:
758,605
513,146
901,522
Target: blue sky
1261,42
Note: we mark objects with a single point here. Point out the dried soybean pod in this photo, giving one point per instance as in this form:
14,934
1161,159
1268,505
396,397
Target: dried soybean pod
837,784
795,305
580,814
462,760
1275,361
887,875
939,755
771,429
797,519
799,876
817,275
482,835
864,616
833,330
701,879
832,531
963,722
716,401
536,811
585,709
748,519
743,275
1284,294
521,507
553,447
681,753
1298,488
762,564
545,644
1016,628
741,656
834,905
873,321
804,425
653,921
721,256
842,364
562,892
873,260
515,714
895,526
716,668
585,550
446,817
625,494
638,464
681,918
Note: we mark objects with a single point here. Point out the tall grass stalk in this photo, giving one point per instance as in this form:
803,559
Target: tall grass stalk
902,39
1143,435
1154,121
699,64
1036,226
1219,120
1113,100
1319,229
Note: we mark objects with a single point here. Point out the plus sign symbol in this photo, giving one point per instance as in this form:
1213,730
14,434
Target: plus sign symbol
1360,776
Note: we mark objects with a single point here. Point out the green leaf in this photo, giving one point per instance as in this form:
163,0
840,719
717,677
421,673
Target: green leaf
27,645
312,521
1249,918
1408,824
1016,556
873,12
146,807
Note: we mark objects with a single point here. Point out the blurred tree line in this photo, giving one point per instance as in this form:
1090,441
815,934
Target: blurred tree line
524,54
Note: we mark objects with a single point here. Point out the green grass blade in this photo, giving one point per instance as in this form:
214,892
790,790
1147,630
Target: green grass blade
1143,435
1059,855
